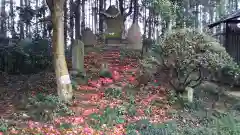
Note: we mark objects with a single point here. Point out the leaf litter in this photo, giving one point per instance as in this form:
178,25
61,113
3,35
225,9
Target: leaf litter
121,78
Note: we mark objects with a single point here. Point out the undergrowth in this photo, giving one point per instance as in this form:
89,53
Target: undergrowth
3,125
46,107
225,124
109,118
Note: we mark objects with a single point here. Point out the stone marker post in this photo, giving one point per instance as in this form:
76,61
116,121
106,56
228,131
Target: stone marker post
89,38
78,57
190,94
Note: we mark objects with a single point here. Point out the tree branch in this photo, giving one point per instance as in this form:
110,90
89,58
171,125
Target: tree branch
198,80
50,5
188,75
129,11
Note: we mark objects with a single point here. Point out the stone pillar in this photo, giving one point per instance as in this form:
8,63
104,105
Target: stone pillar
89,38
134,37
78,57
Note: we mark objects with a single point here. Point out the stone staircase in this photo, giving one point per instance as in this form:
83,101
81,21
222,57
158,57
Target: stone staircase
86,94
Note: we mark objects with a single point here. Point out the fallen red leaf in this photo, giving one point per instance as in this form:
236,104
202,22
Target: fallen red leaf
89,111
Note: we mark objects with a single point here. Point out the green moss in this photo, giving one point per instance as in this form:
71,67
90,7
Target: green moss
114,35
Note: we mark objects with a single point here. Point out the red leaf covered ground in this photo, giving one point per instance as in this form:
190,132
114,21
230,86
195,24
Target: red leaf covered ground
90,98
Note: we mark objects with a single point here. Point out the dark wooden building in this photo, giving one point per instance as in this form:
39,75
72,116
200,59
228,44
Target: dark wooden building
229,33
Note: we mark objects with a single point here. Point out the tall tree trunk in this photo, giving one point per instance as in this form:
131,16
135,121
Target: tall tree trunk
45,23
136,11
101,17
71,21
65,24
236,4
12,19
121,6
190,17
204,16
64,86
36,25
83,16
125,15
27,25
77,19
150,20
180,12
96,16
3,18
196,20
145,22
211,14
21,23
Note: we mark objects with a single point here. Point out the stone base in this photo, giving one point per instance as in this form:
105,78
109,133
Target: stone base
73,72
116,45
113,41
134,46
89,45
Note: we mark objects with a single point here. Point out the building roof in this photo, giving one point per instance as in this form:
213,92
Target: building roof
231,16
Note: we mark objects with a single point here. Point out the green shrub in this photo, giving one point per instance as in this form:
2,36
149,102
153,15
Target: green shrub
197,131
46,107
3,125
229,74
144,127
113,93
110,117
224,124
105,73
64,126
147,44
28,56
221,124
184,53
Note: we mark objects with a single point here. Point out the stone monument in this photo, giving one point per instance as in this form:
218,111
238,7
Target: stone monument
115,24
89,38
134,37
77,57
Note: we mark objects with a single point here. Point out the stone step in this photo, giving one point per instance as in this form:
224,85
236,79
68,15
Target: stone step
94,91
89,111
85,104
85,96
111,59
115,45
111,53
84,111
111,48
